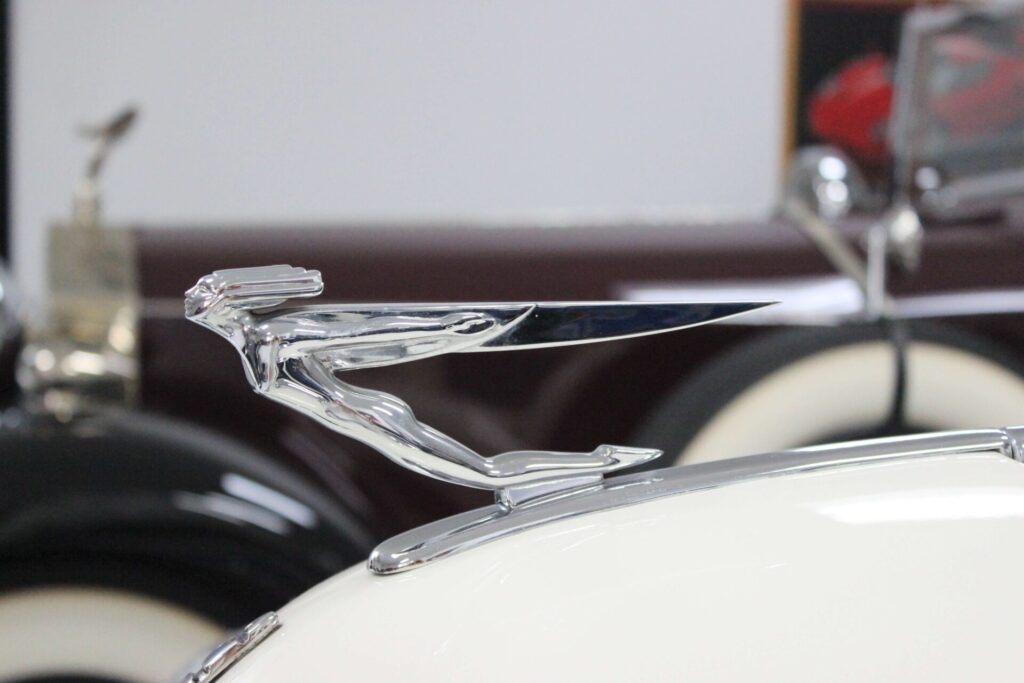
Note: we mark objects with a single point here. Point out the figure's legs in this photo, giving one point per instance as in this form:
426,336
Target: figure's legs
388,424
605,457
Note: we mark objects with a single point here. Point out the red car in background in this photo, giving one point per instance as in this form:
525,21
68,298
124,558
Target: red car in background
850,109
975,87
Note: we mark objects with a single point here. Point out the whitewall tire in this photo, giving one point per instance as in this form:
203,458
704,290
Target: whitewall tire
98,634
798,388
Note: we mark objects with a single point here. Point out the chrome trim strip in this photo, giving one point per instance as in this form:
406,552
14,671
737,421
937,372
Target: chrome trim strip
474,528
828,300
227,654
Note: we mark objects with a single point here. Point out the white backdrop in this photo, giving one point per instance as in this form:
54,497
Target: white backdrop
313,111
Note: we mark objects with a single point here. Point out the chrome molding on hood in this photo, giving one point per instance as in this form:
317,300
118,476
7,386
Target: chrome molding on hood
474,528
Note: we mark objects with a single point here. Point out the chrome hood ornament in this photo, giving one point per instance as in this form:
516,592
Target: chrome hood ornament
292,356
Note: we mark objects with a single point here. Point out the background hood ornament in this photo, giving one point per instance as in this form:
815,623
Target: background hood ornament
292,356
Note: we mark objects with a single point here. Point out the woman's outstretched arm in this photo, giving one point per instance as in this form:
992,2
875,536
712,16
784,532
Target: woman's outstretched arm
374,341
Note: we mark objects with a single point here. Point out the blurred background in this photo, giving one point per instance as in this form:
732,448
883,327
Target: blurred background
859,161
262,113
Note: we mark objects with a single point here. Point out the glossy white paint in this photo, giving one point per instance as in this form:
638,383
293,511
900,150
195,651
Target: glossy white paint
907,570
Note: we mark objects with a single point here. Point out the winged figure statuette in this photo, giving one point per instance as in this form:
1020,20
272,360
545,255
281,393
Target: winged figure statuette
294,355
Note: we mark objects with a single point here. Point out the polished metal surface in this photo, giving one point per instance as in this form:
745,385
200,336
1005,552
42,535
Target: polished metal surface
234,648
897,237
474,528
843,257
291,356
824,185
825,180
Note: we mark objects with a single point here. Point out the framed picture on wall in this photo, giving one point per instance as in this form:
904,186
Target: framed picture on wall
840,76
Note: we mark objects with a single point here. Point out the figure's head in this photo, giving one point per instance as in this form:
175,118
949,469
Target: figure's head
201,298
226,300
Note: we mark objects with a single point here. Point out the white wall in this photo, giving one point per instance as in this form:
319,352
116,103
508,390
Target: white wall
307,111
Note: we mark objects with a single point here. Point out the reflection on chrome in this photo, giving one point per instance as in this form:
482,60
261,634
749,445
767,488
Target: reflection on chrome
227,654
267,498
230,510
826,181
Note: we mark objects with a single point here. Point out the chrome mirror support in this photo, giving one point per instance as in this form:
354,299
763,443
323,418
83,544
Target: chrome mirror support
292,356
823,185
897,236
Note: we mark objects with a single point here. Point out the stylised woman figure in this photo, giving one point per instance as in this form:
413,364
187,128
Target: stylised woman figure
291,356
